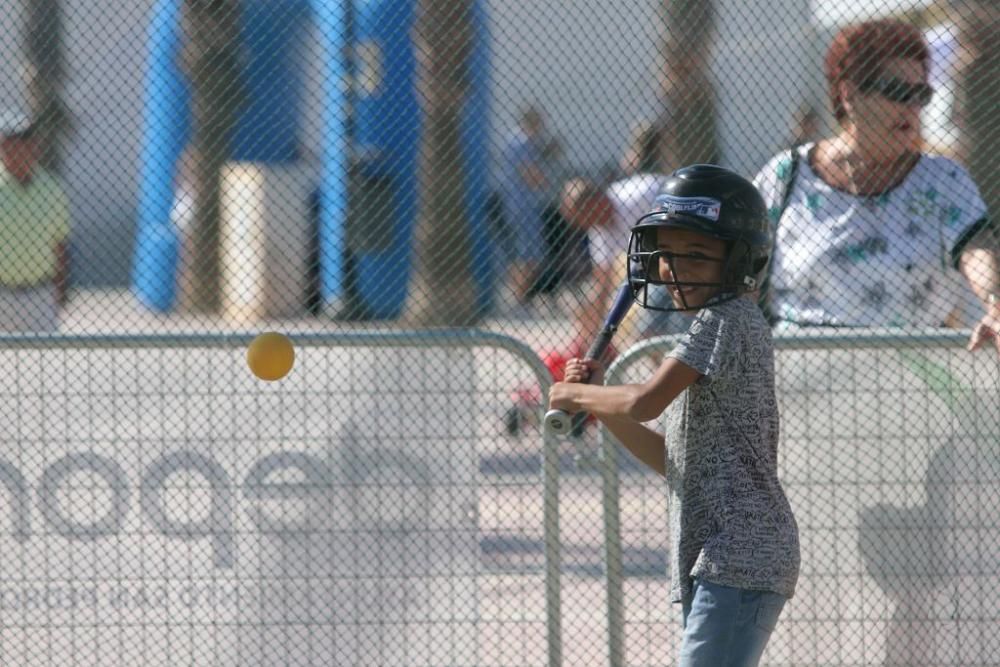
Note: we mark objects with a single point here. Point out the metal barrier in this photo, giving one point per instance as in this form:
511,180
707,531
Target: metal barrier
165,507
890,455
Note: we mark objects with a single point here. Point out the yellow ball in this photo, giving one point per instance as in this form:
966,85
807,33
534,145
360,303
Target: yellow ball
270,356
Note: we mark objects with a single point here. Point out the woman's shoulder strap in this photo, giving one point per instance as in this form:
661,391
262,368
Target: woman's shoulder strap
794,157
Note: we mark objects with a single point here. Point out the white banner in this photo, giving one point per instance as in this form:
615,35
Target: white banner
163,507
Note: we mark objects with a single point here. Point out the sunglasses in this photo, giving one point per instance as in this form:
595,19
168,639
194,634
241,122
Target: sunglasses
899,91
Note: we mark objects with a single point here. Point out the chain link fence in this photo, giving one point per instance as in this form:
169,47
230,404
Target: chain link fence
179,173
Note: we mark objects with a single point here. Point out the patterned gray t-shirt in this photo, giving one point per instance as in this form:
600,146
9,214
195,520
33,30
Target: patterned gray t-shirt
730,522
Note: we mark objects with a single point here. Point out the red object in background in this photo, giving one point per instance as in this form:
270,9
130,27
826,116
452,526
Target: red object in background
555,360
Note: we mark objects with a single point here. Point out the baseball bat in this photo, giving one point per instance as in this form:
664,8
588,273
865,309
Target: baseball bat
560,422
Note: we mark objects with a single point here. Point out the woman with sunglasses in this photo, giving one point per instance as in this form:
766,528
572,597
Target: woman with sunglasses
870,230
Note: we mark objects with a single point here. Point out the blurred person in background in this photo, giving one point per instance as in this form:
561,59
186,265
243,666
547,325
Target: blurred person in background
870,231
566,257
525,189
34,232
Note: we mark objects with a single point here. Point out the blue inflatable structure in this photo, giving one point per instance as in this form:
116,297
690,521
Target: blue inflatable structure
385,127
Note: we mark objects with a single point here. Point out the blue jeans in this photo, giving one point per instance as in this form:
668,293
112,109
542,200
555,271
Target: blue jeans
727,627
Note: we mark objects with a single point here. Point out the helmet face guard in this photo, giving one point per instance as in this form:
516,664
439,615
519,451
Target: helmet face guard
645,259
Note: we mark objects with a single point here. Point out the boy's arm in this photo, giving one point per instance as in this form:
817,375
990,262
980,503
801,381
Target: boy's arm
645,444
623,408
637,402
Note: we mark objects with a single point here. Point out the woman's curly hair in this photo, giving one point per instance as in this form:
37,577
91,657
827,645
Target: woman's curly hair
859,52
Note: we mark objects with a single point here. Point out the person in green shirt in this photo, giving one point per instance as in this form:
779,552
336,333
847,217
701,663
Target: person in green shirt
34,230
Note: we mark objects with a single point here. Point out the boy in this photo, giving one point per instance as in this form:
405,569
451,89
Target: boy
733,539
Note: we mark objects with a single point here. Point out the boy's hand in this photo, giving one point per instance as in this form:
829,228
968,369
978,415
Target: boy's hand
563,396
584,370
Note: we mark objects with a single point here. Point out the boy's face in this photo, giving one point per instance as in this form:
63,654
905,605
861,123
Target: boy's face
695,262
